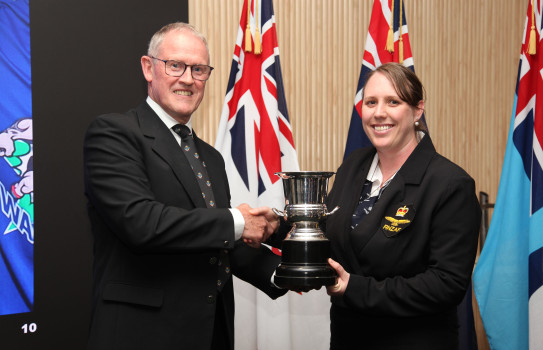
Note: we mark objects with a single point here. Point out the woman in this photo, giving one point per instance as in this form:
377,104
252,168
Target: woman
405,237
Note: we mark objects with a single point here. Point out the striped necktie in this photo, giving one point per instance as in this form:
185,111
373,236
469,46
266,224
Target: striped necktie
197,164
199,168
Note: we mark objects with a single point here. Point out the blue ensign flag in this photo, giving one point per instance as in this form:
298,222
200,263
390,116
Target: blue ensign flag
16,160
508,277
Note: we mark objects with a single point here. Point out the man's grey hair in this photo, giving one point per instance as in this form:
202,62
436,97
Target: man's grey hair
158,37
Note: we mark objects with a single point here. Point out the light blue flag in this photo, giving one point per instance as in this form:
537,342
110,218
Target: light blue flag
508,277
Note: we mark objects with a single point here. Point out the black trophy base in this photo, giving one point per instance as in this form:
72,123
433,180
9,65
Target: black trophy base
304,264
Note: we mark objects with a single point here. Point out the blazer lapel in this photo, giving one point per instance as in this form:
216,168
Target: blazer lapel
411,173
215,171
351,203
363,233
345,194
166,147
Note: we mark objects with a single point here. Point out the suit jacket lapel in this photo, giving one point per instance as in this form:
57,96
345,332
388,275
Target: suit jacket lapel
345,194
352,202
411,173
362,234
215,171
166,147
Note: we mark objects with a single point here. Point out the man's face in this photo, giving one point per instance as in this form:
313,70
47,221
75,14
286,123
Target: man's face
178,96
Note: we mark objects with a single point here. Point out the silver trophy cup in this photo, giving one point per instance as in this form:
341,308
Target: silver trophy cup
305,251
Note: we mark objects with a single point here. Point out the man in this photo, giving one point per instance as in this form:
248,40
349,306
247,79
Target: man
165,242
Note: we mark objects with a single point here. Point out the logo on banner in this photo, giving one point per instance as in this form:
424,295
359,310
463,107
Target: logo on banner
17,186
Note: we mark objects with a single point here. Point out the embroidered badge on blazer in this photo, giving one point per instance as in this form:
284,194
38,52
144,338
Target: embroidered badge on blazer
394,222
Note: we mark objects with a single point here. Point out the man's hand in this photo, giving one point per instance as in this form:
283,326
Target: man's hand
342,280
257,229
271,218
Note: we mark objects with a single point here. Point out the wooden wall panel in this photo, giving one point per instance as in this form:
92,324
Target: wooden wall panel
466,53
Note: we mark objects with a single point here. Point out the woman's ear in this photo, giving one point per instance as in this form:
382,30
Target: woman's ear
420,110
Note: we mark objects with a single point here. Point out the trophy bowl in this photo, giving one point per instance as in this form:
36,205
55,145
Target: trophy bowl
305,251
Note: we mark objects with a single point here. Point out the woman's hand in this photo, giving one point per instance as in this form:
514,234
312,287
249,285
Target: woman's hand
342,280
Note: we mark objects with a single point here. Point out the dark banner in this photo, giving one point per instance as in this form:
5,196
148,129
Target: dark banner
62,62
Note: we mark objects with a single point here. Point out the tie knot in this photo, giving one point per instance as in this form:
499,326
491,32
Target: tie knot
181,130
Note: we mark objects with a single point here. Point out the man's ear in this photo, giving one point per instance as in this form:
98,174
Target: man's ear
147,68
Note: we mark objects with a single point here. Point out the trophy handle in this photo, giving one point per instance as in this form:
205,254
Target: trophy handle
278,212
283,175
332,212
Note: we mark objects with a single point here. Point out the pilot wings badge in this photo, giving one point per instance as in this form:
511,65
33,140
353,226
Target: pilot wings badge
397,220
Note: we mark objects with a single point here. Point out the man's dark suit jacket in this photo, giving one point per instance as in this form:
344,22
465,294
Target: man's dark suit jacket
407,276
156,245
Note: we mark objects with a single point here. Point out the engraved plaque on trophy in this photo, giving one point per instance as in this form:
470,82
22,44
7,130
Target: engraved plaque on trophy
305,251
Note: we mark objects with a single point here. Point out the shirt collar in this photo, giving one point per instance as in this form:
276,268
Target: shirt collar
374,174
165,117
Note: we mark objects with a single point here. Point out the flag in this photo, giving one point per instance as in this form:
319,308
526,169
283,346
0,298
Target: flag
16,159
508,277
387,41
255,139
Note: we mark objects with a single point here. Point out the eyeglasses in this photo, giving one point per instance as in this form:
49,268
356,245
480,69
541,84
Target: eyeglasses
176,69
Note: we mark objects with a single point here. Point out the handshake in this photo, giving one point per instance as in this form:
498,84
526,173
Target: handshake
260,224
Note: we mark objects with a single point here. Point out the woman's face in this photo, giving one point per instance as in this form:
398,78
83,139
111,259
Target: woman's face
388,121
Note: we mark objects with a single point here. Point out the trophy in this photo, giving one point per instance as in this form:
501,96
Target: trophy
305,251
